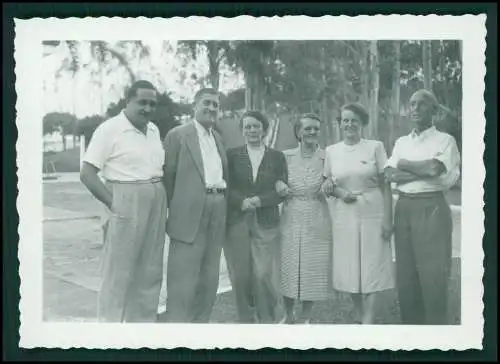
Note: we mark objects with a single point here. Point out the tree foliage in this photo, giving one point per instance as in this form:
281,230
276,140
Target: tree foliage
289,77
321,76
165,117
62,122
214,51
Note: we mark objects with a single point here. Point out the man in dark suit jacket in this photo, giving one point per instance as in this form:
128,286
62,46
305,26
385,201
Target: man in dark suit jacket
195,179
252,241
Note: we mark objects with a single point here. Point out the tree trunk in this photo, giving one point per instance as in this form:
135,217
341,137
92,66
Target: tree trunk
374,88
248,98
259,84
258,94
63,141
330,138
443,79
365,76
427,61
248,91
396,92
213,64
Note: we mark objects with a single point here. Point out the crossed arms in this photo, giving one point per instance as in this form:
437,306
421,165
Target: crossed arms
409,171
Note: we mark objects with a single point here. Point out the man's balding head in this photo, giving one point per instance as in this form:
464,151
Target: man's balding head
423,106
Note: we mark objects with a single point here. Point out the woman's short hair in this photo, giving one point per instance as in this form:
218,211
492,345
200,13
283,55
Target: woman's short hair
257,115
357,109
298,122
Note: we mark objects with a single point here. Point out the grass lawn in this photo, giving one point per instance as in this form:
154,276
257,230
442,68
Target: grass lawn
64,162
338,309
64,301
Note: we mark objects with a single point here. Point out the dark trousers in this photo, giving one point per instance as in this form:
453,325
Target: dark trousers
252,261
193,268
423,242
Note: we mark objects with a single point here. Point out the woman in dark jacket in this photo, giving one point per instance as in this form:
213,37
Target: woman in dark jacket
252,241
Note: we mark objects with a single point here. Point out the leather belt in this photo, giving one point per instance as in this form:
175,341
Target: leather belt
215,190
421,194
145,181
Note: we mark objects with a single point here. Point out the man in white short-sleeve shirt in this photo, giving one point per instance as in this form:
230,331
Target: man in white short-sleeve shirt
423,165
128,152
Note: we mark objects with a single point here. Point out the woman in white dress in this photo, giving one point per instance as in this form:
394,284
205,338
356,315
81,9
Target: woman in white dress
361,214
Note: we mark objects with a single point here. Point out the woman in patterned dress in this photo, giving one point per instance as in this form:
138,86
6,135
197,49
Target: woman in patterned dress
305,223
361,214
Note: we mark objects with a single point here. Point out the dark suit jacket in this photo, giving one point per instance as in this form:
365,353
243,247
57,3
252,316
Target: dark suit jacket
185,181
240,184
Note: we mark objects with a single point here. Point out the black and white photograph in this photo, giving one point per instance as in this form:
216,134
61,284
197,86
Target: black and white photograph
286,182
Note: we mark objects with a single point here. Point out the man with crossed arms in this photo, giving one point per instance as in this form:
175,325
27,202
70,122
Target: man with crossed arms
423,165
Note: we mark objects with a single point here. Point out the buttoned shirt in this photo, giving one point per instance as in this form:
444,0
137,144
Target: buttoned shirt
212,162
124,153
429,144
255,155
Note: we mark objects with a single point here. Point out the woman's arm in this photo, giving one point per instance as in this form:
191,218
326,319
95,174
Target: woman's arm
271,197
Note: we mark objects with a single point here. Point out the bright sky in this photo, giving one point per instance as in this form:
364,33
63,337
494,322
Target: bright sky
83,95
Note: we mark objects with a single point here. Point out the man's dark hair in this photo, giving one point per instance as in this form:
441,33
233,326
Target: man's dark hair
298,122
204,91
359,110
132,91
257,115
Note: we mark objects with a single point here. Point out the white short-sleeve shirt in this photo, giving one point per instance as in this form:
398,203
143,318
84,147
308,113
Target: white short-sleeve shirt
123,153
429,144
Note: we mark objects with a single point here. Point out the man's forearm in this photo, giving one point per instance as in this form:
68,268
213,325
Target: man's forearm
400,177
91,180
425,169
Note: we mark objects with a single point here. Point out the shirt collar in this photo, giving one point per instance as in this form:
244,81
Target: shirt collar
127,124
261,149
427,132
201,130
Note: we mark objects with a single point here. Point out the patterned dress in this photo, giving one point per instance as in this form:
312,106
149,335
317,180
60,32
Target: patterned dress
305,230
362,260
